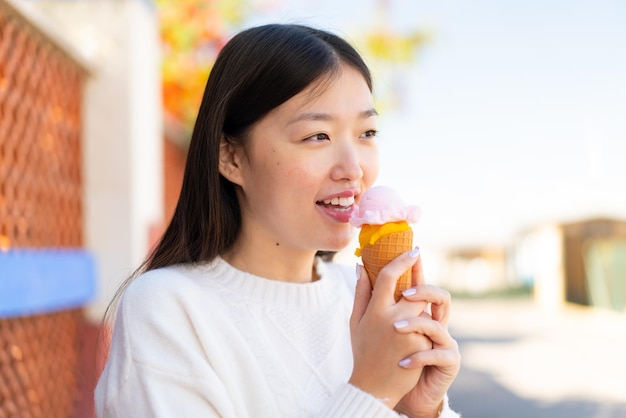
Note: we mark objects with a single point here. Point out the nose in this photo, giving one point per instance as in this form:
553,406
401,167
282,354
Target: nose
348,164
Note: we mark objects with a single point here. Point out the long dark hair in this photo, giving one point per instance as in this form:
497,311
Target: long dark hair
256,71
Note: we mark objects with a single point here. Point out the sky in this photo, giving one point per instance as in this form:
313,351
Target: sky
513,116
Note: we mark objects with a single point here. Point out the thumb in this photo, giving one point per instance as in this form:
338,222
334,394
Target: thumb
362,296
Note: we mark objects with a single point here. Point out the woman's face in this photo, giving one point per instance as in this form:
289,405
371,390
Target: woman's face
305,164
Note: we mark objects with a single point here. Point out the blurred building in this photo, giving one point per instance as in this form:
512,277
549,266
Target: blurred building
580,262
81,187
477,270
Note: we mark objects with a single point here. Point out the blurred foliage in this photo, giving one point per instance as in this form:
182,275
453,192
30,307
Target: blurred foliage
390,55
394,48
192,33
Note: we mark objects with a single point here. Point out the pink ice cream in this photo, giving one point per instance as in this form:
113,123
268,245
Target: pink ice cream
382,204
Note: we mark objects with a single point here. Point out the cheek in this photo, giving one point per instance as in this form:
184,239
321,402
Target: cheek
299,176
270,165
262,175
305,167
285,174
282,168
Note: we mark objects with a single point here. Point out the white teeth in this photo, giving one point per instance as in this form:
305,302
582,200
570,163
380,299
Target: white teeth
340,201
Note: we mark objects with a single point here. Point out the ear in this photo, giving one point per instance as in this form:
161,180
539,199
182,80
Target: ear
230,162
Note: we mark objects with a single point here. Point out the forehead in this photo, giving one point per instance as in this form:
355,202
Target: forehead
342,91
344,76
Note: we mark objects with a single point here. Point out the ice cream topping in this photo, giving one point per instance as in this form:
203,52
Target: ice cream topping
382,204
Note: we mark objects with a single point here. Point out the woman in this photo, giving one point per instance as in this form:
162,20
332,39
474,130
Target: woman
239,311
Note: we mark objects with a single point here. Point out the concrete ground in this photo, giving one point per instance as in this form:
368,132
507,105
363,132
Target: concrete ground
520,361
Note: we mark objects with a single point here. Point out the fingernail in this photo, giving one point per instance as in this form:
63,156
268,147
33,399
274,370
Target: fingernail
405,362
409,291
414,252
358,271
401,324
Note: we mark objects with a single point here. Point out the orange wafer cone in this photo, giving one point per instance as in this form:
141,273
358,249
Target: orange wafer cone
378,255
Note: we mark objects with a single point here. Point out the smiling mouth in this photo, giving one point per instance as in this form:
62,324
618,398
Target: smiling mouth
343,204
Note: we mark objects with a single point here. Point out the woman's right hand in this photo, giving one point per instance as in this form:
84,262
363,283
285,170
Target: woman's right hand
376,345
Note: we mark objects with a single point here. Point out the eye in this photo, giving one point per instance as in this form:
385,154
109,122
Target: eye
318,137
372,133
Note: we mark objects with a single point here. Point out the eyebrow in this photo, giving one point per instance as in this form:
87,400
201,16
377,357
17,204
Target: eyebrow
315,116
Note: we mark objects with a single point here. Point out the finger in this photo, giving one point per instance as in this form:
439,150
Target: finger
439,299
362,296
414,307
388,277
417,272
447,360
445,352
425,326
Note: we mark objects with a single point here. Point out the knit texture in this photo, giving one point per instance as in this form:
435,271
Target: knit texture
213,341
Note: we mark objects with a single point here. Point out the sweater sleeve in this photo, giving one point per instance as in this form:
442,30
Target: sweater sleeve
446,412
148,392
351,402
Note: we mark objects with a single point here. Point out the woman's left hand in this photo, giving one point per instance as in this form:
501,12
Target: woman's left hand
441,363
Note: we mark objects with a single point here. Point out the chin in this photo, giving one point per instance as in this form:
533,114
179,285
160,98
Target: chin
340,243
339,239
333,249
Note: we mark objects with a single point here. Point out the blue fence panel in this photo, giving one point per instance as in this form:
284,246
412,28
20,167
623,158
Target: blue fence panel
34,281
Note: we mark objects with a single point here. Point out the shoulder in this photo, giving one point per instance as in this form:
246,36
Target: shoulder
159,338
164,315
177,278
168,299
160,289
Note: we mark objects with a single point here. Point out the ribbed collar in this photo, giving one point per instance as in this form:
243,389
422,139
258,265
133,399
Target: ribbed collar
275,292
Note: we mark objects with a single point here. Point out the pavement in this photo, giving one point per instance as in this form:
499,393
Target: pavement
523,361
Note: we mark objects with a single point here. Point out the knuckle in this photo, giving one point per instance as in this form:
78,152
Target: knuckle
455,345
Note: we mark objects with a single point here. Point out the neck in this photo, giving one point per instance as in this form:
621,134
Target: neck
272,262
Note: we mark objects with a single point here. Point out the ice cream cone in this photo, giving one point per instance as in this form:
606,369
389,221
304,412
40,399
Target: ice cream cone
378,255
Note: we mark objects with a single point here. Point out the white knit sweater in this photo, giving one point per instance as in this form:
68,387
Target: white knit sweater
213,341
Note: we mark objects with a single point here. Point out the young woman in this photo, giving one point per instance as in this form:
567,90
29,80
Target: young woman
239,311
